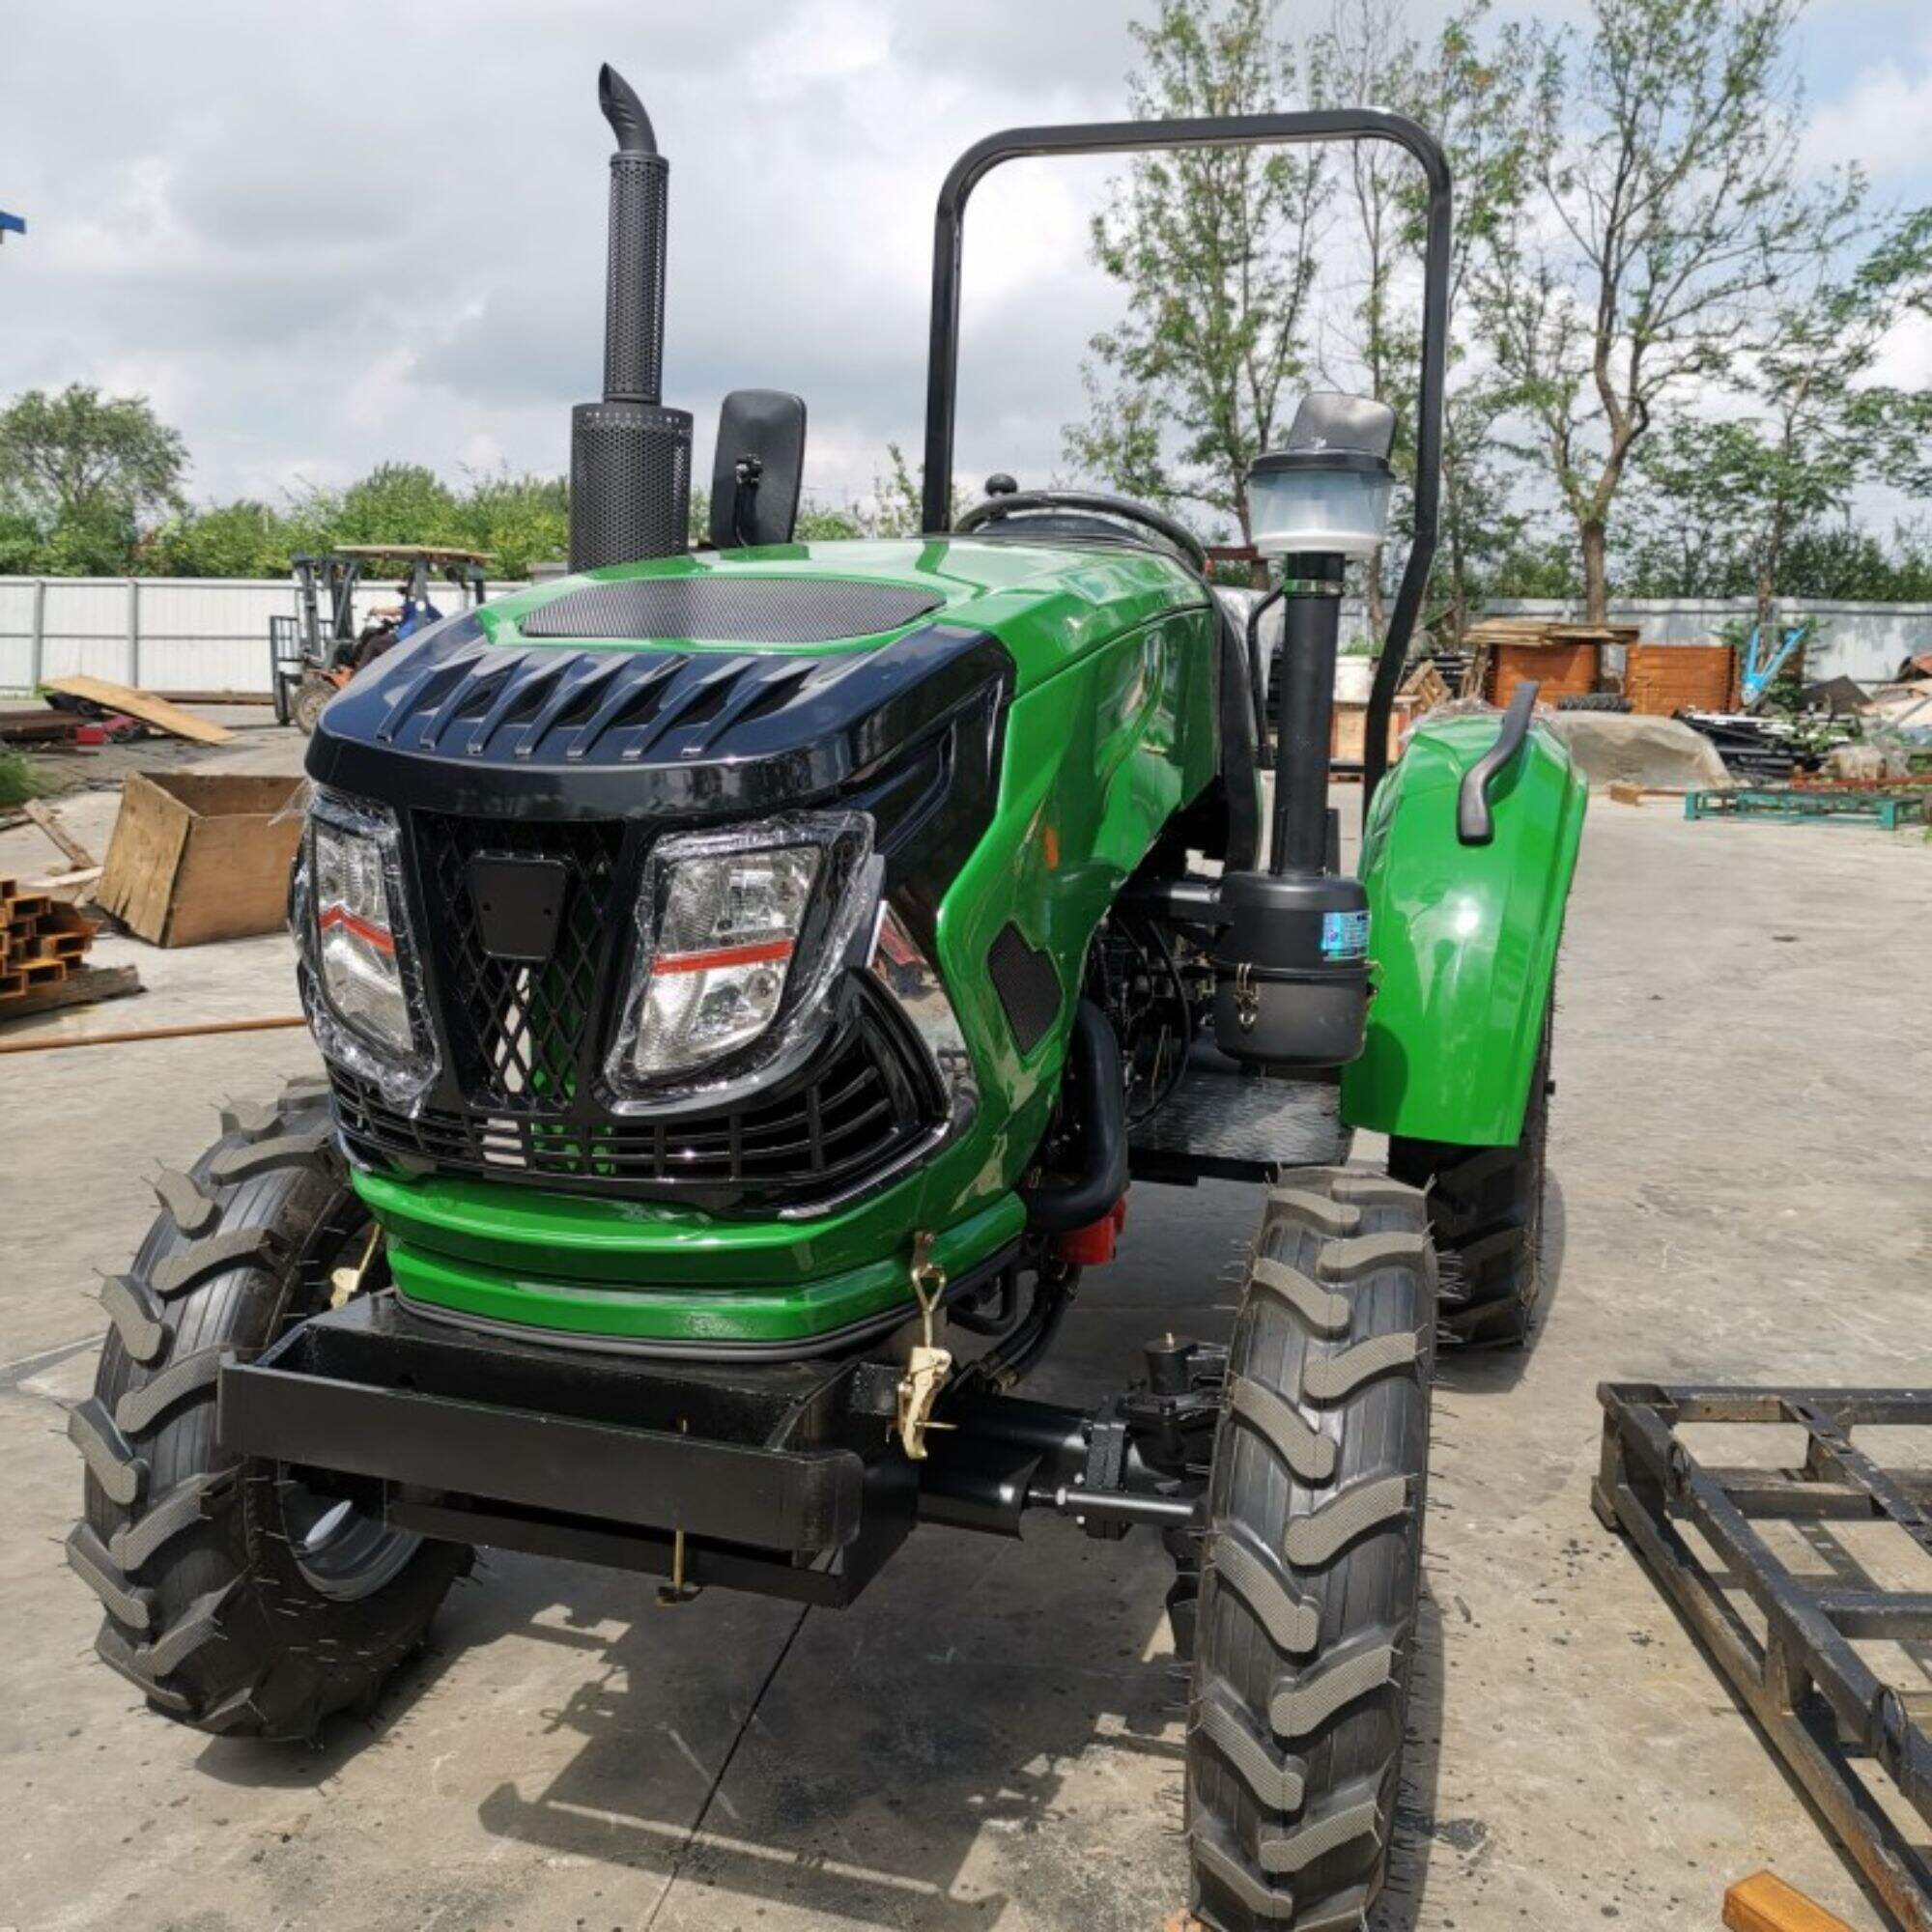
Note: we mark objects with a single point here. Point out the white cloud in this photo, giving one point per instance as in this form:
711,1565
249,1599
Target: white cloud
313,266
1881,122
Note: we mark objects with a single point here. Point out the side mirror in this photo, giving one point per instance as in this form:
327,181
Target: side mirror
758,470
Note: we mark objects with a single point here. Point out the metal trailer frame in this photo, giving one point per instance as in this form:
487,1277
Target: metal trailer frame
1818,1700
1886,810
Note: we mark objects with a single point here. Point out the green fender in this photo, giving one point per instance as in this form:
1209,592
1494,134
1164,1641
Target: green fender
1461,938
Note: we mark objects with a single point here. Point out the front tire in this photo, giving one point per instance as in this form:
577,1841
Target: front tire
238,1600
1310,1563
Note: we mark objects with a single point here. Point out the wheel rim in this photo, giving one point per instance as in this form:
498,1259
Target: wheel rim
343,1551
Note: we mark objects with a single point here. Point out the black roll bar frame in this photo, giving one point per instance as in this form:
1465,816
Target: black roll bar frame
1235,130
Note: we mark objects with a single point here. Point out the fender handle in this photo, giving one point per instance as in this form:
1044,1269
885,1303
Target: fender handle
1475,824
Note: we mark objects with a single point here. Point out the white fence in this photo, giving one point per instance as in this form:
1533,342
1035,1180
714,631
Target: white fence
164,633
212,634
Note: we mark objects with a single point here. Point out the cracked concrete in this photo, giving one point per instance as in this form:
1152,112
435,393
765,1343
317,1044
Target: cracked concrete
987,1739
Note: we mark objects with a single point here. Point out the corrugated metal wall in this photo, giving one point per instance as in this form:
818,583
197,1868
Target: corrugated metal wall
212,634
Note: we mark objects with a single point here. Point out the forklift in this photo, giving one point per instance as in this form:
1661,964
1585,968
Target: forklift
314,653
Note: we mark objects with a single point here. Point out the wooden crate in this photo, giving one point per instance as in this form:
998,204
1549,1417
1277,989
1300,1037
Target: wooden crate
1561,669
1660,680
1348,730
197,857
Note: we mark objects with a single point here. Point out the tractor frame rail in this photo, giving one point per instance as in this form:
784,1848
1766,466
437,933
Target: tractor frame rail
1787,1639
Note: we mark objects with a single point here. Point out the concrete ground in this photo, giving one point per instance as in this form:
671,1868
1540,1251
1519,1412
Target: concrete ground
1740,1138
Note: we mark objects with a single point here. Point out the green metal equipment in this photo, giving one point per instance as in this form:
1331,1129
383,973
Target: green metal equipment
746,983
1859,806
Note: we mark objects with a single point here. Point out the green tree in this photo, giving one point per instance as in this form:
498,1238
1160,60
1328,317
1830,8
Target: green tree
87,471
398,502
519,521
1672,208
1216,248
1812,426
1472,92
239,539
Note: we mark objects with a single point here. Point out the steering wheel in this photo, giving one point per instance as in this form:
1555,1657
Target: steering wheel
1124,508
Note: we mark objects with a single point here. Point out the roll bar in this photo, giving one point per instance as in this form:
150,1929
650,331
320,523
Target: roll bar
1237,130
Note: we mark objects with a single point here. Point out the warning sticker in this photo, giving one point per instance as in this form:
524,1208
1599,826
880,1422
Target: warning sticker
1344,935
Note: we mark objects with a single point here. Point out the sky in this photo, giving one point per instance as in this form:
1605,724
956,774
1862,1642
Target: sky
321,238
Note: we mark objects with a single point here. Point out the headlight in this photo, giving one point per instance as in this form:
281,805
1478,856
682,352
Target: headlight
355,940
740,935
364,998
726,940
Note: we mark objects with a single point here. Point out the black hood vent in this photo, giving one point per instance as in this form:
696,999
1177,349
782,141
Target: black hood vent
455,723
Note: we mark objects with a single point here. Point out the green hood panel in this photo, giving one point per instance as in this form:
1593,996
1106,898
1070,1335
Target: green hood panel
1050,605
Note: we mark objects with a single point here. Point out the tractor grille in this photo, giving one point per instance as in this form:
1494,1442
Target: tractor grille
864,1103
520,1098
523,1037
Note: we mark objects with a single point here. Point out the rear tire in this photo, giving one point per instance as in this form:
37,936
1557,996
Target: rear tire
1311,1564
1486,1208
238,1600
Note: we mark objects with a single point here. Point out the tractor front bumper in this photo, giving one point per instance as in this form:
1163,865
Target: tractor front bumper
778,1477
767,1476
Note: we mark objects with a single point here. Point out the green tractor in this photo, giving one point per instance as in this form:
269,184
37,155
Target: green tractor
748,982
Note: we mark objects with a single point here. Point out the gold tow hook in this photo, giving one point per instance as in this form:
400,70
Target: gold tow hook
346,1283
929,1365
677,1591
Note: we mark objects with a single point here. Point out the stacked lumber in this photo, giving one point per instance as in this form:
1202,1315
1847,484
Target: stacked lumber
42,941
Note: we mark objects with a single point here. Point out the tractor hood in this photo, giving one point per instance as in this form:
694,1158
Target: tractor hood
710,686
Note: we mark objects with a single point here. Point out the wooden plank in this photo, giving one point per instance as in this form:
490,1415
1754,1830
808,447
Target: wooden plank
144,705
57,883
1765,1903
82,987
51,823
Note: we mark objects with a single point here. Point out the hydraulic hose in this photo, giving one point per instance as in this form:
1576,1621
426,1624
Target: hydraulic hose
1101,1110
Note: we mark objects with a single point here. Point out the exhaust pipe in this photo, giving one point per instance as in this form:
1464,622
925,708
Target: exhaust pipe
630,457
